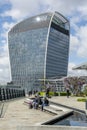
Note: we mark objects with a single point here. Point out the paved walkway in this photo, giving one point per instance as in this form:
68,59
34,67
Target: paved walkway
71,102
18,114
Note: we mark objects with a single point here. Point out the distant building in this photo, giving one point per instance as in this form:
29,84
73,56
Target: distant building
82,66
10,86
39,49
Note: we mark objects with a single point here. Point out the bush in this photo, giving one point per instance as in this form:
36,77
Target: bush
85,90
81,94
42,93
51,93
63,93
56,94
81,99
85,93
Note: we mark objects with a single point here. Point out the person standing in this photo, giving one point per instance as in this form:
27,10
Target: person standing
67,91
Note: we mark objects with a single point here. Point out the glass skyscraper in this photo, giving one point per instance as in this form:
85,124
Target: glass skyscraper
39,49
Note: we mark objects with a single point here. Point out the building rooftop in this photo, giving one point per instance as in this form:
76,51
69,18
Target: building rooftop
81,66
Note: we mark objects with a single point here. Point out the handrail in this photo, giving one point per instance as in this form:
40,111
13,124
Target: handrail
1,109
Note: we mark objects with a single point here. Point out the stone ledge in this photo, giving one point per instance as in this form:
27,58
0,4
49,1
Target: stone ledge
48,127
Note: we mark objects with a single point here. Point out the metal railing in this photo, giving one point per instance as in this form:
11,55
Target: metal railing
1,108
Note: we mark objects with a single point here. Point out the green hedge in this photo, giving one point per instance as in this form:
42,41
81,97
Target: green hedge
81,99
50,93
54,93
63,94
41,93
81,94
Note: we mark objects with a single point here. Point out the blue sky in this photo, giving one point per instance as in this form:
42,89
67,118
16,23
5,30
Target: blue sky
13,11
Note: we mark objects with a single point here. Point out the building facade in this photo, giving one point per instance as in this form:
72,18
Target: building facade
39,49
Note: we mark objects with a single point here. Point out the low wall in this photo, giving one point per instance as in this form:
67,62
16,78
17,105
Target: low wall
50,128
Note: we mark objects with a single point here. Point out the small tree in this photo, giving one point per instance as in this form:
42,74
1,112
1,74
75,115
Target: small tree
75,84
85,90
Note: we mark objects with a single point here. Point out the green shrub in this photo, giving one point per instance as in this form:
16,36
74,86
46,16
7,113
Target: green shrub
81,99
56,94
51,93
85,90
42,93
85,93
81,94
63,93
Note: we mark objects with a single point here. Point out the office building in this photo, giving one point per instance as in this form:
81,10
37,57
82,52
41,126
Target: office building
39,49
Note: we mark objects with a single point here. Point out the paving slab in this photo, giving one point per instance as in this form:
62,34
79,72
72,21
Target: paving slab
71,102
17,114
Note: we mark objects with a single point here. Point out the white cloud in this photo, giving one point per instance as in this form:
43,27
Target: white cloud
78,42
83,10
2,2
67,7
4,50
4,75
4,63
4,69
4,35
74,22
14,13
74,43
7,25
3,41
70,66
82,35
21,9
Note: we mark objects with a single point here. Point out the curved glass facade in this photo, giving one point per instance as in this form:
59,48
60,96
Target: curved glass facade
38,49
58,47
